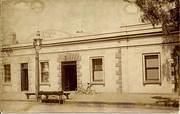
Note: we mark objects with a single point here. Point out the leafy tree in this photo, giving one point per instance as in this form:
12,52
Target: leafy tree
164,12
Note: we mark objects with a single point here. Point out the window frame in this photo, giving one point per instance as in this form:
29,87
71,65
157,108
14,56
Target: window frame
92,74
44,83
27,76
145,68
4,76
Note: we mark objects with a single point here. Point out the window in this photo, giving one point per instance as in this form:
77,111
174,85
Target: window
44,72
24,77
7,73
152,69
97,70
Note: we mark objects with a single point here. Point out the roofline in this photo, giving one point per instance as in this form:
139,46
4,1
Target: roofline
94,38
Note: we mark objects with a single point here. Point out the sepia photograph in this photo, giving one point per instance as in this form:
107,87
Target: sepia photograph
84,56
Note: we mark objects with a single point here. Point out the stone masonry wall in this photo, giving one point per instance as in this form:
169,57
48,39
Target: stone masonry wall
69,57
118,70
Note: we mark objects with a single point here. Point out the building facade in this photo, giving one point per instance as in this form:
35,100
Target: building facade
135,60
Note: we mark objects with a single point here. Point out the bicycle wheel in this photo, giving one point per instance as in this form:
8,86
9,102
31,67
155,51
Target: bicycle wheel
91,90
80,90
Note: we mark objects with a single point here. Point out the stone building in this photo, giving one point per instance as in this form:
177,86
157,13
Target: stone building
133,59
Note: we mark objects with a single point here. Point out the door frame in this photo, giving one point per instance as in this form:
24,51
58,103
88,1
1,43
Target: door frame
27,81
65,63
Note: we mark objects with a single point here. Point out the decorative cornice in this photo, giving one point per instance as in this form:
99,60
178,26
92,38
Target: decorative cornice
129,34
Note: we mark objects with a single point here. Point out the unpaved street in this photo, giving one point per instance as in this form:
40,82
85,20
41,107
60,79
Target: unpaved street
32,106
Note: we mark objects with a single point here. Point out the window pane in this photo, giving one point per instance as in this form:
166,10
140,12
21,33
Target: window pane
45,77
44,72
45,66
152,61
97,64
152,67
7,79
97,61
97,70
7,73
98,76
98,67
152,74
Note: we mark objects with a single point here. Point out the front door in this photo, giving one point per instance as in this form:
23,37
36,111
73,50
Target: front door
24,77
69,76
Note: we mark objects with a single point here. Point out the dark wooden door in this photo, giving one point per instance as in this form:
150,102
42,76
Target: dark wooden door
24,77
69,76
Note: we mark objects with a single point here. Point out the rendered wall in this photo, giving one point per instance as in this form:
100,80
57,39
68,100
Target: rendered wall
132,66
109,70
122,64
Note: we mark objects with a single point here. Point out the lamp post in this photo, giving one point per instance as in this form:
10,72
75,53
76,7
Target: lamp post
37,45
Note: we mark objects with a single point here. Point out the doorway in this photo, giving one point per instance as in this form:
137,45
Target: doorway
69,76
24,77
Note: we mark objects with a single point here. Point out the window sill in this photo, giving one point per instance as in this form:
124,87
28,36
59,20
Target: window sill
25,91
45,84
151,83
7,84
98,83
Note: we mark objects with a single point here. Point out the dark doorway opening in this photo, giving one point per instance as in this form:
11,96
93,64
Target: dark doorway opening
24,77
69,76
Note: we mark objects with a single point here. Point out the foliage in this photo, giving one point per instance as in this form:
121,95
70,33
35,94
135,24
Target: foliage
164,12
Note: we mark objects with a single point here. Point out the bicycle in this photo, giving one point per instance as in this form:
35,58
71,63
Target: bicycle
86,89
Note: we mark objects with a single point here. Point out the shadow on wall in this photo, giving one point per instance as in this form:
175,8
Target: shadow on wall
171,65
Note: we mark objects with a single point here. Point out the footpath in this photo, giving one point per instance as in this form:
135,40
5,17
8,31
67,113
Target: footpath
123,99
108,98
